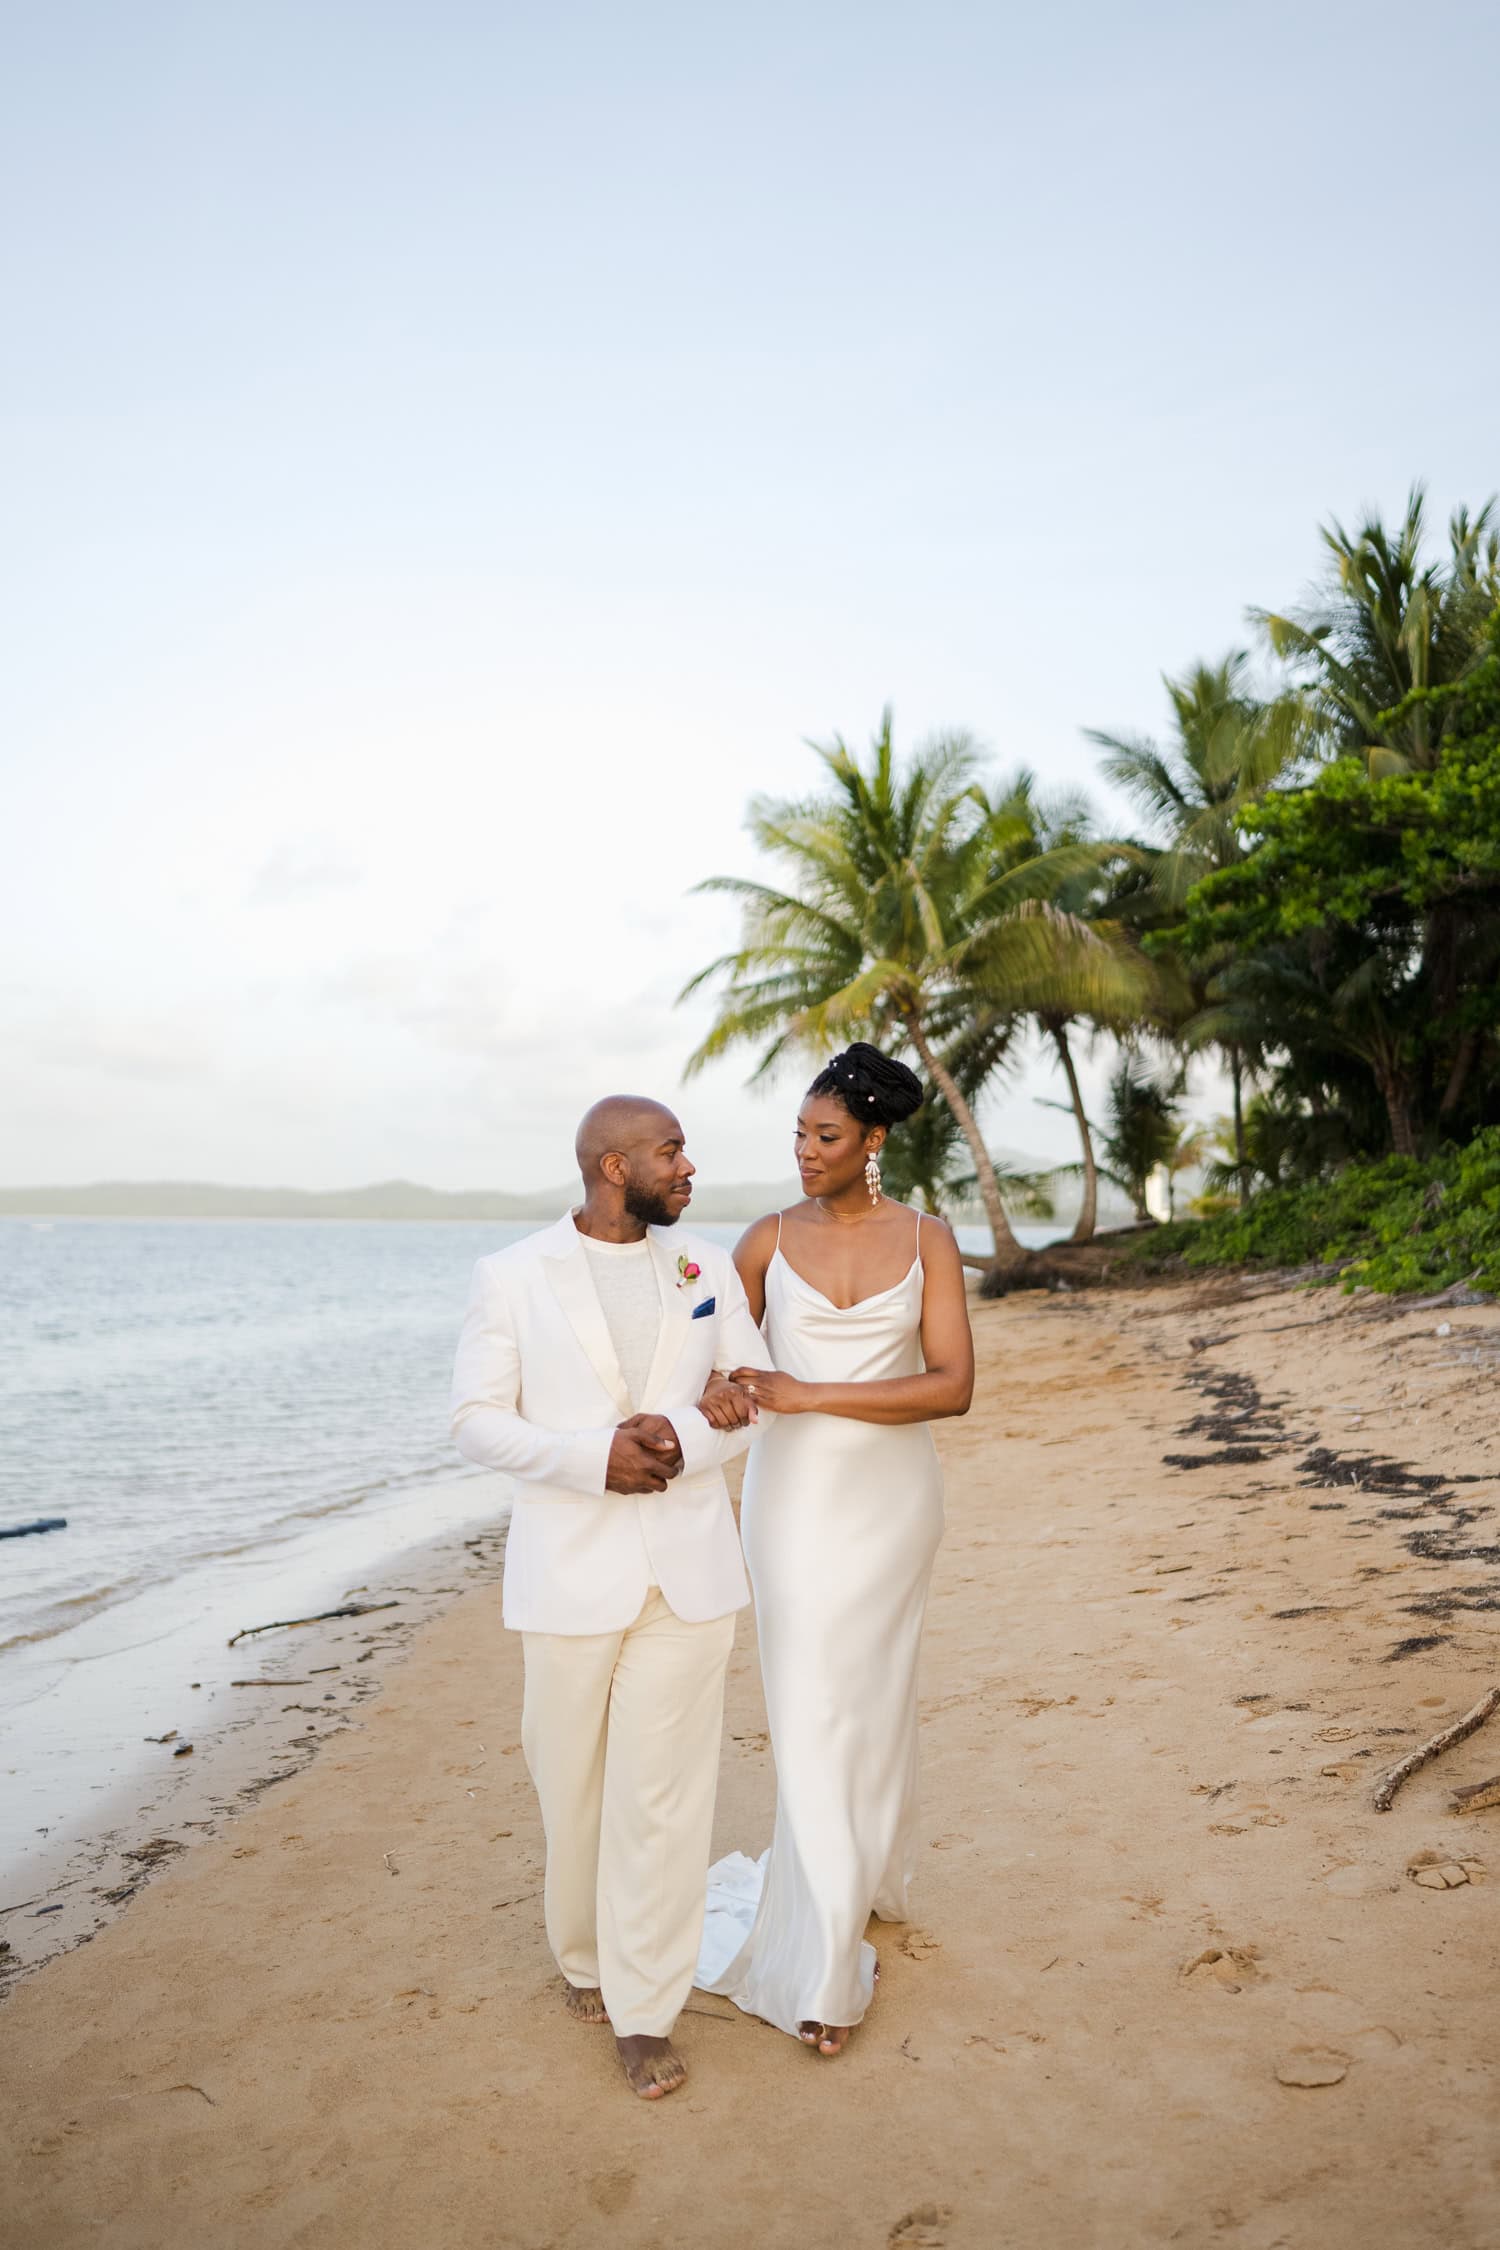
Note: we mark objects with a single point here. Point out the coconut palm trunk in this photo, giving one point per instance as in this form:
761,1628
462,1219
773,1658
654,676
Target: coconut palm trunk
1010,1255
1241,1167
1088,1210
1398,1111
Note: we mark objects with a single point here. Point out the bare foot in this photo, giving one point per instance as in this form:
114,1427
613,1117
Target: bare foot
584,2003
653,2066
828,2038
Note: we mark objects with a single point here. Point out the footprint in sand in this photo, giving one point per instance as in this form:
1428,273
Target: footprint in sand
1227,1968
926,2228
919,1945
609,2192
1354,1882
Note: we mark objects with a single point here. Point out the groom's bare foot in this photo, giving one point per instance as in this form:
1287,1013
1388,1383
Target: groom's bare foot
828,2038
653,2066
584,2003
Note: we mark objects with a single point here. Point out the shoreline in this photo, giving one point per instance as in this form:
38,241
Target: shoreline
1217,1554
97,1715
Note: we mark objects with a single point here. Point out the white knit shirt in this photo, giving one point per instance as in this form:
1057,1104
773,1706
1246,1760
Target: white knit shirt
625,1281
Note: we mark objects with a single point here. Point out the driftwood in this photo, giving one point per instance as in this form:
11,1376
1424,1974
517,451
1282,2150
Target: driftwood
1479,1796
1413,1762
43,1523
282,1624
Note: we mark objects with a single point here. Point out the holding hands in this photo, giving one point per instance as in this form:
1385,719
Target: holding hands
644,1456
726,1405
778,1393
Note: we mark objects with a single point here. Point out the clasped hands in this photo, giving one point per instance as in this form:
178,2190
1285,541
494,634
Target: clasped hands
645,1454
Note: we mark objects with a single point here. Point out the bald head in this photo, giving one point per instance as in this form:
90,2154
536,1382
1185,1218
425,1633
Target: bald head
635,1168
622,1125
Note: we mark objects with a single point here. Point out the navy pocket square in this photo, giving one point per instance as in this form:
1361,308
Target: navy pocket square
701,1312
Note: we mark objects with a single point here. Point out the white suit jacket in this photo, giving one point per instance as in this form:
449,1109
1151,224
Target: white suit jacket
537,1392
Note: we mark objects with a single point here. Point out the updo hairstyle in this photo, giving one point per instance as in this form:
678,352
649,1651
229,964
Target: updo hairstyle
874,1088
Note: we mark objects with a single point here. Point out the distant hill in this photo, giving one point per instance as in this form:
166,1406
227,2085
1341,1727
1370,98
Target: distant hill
387,1199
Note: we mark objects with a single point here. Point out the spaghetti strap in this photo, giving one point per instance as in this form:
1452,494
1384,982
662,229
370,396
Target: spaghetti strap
778,1233
919,1234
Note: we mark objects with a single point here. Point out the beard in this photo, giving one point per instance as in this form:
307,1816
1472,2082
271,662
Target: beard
651,1210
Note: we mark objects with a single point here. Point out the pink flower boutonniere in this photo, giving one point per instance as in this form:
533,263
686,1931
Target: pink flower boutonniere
688,1273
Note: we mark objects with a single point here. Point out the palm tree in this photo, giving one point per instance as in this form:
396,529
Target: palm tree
1227,750
1144,1131
1387,622
926,1157
1086,890
906,917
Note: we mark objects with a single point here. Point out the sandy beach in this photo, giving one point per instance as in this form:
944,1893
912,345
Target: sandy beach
1217,1553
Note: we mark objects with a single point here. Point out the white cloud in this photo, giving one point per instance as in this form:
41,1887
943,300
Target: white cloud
303,867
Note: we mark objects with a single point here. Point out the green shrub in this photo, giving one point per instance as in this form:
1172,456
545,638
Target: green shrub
1399,1224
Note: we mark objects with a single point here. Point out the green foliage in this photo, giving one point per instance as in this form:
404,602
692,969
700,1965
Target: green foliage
1347,847
1389,623
1315,895
1395,1225
1143,1128
1365,922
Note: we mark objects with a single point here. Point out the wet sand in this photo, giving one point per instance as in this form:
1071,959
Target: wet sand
1195,1594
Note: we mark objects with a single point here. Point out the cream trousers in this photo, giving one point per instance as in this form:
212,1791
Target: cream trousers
621,1732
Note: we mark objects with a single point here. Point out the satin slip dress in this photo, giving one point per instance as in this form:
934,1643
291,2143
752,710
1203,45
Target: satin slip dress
841,1522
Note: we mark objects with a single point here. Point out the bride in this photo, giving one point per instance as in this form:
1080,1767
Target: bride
862,1304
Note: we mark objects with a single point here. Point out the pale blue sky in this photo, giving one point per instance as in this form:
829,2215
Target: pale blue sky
454,454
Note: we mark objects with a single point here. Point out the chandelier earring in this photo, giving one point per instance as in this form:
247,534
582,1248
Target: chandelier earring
872,1176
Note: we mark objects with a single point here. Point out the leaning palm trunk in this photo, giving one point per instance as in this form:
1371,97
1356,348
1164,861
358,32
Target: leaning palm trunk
1241,1167
1010,1255
1088,1211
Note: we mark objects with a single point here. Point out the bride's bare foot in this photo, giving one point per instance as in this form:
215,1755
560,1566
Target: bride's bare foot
653,2066
584,2003
828,2038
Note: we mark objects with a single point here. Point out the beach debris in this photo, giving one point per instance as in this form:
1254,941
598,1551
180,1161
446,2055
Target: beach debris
270,1683
1313,2066
187,2088
41,1910
169,1736
183,1750
1434,1873
1479,1796
390,1865
708,2004
160,1847
1413,1762
42,1523
284,1624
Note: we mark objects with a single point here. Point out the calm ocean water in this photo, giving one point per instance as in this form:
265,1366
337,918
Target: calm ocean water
185,1389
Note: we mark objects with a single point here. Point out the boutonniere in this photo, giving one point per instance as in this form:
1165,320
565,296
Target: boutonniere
687,1272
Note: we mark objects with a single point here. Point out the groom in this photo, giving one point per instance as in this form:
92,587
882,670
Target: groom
584,1353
